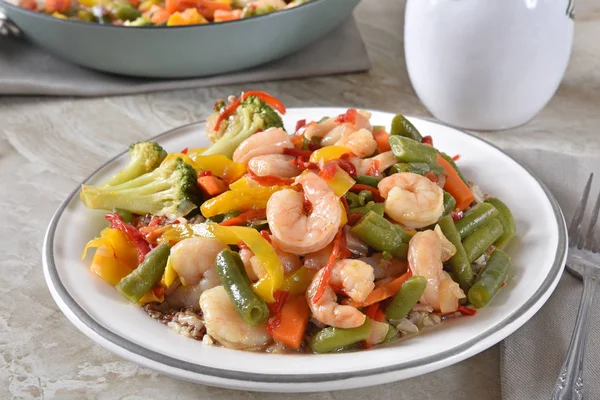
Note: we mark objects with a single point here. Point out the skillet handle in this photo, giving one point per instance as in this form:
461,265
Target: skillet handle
7,28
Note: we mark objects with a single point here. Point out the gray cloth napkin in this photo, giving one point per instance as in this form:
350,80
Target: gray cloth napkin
28,70
531,358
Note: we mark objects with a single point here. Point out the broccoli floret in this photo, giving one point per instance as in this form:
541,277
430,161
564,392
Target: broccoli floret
251,116
170,189
144,157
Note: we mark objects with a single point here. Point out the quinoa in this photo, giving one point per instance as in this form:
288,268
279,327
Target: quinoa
186,322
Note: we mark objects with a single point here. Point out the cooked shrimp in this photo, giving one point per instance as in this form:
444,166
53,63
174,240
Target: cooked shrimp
193,258
290,263
188,296
425,259
331,130
277,4
380,163
383,267
271,141
360,142
318,259
353,277
295,232
225,324
274,164
411,199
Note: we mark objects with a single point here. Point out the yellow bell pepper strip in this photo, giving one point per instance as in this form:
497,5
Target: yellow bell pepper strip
298,282
243,196
262,249
328,153
219,165
154,295
190,16
56,14
170,276
115,255
341,182
173,234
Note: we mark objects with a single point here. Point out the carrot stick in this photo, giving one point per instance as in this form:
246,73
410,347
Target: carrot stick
293,320
383,140
245,217
455,186
211,186
383,292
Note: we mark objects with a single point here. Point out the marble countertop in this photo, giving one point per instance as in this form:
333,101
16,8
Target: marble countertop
48,145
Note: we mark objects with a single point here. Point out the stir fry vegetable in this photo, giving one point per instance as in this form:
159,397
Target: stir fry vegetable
338,237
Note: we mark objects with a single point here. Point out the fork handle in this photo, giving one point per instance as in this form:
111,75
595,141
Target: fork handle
569,385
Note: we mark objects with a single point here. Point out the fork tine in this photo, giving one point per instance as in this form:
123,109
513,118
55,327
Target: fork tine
589,237
575,228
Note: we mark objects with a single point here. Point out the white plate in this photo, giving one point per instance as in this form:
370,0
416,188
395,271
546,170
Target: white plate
100,312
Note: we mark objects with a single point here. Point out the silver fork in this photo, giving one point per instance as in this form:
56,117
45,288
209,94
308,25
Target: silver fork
583,262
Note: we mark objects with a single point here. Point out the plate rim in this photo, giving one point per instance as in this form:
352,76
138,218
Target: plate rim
61,295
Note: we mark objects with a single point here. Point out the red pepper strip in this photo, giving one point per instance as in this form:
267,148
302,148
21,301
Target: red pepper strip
204,173
245,218
380,315
270,180
503,284
304,165
427,140
300,124
376,195
135,236
371,310
345,203
354,218
431,176
267,98
298,153
307,206
458,215
330,168
340,251
158,290
227,111
242,245
265,234
349,116
280,298
466,310
456,157
184,151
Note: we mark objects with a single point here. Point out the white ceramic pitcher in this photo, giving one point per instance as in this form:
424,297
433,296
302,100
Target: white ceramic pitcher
487,64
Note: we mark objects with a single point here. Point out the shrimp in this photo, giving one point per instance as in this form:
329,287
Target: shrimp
318,259
380,163
411,199
274,164
295,232
360,142
225,325
271,141
254,269
385,268
425,259
188,296
194,259
331,130
277,4
355,278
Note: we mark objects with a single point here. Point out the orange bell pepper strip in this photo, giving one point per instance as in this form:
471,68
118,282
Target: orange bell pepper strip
455,186
158,15
382,292
383,140
225,15
291,322
211,186
61,6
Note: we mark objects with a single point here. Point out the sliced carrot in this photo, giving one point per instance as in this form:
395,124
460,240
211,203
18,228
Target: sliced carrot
293,320
158,14
455,186
211,186
208,7
383,292
225,15
61,6
383,140
371,310
245,217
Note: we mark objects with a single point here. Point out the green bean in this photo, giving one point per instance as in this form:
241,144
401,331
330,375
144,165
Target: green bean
451,162
377,208
402,127
372,181
409,294
353,200
125,11
417,168
232,275
364,196
331,339
475,218
479,241
506,219
127,216
391,335
378,128
449,203
460,265
85,15
491,279
135,285
382,235
408,151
